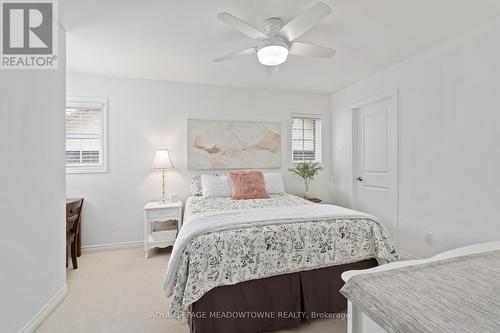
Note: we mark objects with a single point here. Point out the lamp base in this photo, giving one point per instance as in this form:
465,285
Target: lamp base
164,198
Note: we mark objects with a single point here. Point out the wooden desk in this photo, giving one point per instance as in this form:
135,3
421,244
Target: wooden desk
78,242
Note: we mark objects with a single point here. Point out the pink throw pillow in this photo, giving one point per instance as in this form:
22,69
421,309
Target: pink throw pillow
247,185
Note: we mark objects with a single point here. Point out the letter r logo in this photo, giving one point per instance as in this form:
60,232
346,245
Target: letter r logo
27,28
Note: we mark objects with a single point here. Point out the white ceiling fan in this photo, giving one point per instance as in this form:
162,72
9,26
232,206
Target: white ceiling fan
277,39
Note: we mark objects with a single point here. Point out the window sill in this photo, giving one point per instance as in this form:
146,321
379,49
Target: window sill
85,171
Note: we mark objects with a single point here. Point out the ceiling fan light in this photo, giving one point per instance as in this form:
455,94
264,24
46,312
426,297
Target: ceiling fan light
272,55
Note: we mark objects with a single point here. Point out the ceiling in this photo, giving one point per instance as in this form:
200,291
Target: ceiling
177,40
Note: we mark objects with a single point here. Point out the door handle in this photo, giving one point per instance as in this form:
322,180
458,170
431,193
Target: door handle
360,179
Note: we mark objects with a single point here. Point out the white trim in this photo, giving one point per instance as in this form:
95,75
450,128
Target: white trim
388,94
103,103
353,138
112,246
375,98
403,255
306,115
45,311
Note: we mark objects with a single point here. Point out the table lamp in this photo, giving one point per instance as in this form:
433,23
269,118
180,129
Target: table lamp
163,162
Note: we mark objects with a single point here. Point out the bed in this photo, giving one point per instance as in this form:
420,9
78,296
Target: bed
267,264
455,291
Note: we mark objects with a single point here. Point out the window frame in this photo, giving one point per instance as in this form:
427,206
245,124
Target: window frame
94,102
313,117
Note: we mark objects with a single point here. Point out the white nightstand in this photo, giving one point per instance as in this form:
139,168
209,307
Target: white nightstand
154,213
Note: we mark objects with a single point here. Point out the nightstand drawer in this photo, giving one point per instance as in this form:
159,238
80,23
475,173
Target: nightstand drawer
162,214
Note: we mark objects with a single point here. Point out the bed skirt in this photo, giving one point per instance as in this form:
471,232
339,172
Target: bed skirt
273,303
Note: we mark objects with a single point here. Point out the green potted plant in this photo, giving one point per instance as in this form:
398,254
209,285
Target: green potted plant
307,171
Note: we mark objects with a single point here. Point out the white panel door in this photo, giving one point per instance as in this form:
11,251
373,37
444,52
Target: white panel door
376,157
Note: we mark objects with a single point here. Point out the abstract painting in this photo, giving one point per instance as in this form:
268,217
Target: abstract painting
220,144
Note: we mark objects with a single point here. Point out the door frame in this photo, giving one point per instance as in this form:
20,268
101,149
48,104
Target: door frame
354,120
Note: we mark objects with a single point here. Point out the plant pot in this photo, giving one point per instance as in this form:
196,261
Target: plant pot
307,195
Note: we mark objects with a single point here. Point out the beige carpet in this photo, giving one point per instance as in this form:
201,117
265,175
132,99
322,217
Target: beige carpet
115,291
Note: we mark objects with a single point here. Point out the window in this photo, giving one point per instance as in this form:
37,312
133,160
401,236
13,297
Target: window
306,139
86,135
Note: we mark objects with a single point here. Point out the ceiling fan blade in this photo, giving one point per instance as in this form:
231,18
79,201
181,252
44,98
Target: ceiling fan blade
236,54
311,50
306,21
242,26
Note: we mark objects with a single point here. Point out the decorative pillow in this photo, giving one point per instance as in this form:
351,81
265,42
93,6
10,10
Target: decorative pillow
247,185
196,186
274,183
215,186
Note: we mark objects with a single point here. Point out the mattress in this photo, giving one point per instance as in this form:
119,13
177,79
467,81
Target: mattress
224,242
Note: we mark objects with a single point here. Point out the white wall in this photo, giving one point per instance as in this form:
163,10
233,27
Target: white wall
32,192
145,115
449,123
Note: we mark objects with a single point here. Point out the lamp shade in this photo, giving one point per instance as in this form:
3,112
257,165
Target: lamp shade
163,160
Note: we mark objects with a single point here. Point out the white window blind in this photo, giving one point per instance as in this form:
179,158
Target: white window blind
306,139
85,135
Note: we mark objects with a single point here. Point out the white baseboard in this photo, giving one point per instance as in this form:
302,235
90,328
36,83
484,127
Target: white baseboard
407,256
44,312
112,246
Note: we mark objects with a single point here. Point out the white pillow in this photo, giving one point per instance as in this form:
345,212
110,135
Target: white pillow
215,186
274,182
